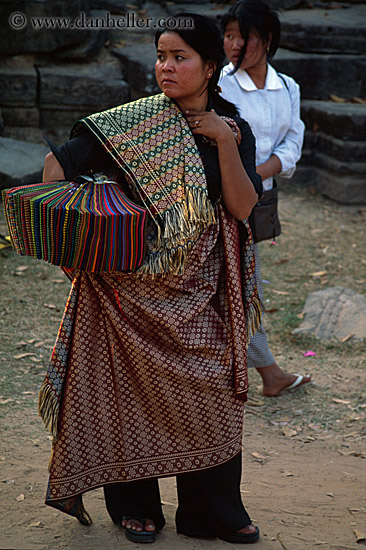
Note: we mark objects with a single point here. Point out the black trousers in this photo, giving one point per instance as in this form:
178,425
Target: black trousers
209,501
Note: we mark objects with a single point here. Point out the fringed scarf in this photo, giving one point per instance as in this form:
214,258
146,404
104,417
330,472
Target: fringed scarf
151,141
158,153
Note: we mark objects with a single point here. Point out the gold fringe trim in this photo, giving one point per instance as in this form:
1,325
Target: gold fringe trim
253,318
48,408
182,224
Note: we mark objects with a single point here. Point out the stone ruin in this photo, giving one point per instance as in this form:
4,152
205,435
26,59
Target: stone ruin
51,77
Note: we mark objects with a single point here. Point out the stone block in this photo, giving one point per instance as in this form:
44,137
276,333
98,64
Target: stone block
113,6
21,162
348,188
321,75
19,35
338,166
347,151
80,89
18,86
284,4
138,67
87,50
341,30
1,124
63,117
346,121
212,10
334,150
334,313
21,116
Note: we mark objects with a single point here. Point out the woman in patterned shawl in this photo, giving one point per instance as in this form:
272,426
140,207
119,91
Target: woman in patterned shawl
148,374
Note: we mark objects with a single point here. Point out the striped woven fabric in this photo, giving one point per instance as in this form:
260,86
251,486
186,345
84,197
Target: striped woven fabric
88,224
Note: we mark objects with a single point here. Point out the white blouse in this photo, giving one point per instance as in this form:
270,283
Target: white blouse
272,113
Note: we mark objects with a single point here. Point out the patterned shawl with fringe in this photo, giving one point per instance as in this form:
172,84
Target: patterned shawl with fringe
151,141
158,153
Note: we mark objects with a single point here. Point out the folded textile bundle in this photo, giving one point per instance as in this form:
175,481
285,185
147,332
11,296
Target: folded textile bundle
87,224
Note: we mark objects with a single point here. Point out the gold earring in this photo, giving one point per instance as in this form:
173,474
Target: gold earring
267,49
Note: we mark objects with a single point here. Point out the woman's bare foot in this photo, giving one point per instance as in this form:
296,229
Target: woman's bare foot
275,379
248,529
249,534
136,525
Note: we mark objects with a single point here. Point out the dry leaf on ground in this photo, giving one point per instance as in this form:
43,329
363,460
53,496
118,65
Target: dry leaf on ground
5,401
360,537
288,432
348,337
318,273
21,344
338,99
259,456
22,355
282,541
36,524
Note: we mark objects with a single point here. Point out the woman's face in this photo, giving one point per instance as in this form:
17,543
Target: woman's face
180,71
256,52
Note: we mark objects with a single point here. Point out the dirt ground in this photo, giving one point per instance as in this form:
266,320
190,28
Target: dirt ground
304,478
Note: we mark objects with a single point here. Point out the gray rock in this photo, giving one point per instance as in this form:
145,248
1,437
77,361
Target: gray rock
69,92
16,39
1,124
346,121
21,162
113,6
347,151
18,91
284,4
21,116
138,67
349,189
335,312
194,3
214,11
18,86
340,30
320,75
334,154
87,50
140,24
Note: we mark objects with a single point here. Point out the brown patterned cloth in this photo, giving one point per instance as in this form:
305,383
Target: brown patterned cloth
156,371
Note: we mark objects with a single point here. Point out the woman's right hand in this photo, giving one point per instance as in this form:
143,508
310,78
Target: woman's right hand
209,124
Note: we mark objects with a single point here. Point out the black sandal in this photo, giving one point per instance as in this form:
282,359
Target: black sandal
139,536
241,538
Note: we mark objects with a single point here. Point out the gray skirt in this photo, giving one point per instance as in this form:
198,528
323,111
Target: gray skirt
259,354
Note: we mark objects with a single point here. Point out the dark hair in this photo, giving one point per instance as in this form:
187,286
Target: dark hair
201,34
254,14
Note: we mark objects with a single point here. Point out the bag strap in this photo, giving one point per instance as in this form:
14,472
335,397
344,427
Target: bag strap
284,81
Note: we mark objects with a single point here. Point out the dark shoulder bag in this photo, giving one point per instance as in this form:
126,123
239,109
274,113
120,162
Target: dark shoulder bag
263,220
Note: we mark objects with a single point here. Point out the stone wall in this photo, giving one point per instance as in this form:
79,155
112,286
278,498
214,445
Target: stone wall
325,51
51,77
